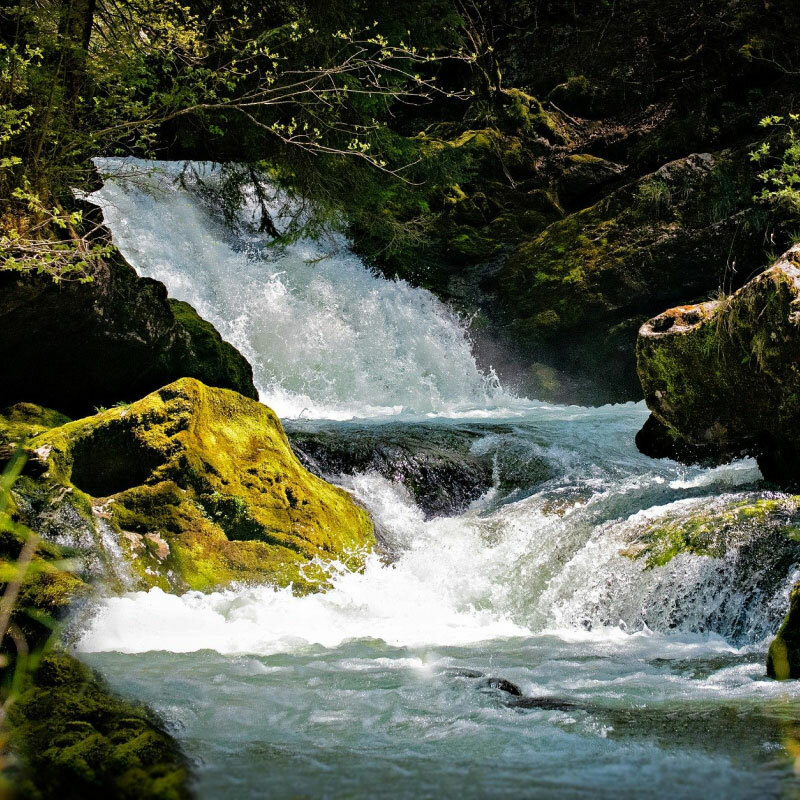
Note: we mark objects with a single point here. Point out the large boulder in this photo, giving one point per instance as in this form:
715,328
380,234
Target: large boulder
722,378
75,346
443,469
191,487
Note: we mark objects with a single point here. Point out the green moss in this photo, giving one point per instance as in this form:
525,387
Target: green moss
25,420
783,657
201,488
694,360
78,740
711,533
211,357
527,114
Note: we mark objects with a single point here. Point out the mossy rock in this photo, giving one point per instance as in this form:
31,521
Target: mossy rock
711,531
575,293
199,488
209,357
77,346
723,378
78,740
23,421
783,657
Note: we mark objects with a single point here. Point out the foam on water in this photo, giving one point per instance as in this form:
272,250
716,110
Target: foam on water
378,687
550,562
326,336
329,338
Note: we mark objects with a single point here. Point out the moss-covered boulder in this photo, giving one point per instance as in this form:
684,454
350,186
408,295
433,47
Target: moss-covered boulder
575,293
75,346
712,528
783,657
753,540
78,740
23,421
722,378
197,487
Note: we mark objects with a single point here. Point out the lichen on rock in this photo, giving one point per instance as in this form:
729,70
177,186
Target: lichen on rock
194,487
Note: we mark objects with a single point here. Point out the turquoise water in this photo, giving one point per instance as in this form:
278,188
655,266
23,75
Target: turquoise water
662,718
380,688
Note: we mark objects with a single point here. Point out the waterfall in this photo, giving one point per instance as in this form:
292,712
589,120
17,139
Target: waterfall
326,336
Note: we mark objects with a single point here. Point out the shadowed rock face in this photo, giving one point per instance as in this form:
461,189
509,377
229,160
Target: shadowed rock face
722,378
75,346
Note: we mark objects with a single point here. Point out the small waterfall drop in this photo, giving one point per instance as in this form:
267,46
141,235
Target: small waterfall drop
330,339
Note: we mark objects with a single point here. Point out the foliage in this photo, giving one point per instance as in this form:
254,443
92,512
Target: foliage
779,158
116,77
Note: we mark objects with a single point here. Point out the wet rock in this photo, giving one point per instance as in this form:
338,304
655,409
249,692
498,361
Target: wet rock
444,469
460,672
193,487
547,704
502,685
435,465
722,378
76,346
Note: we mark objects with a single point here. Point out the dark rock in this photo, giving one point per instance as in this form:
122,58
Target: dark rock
76,346
584,177
435,465
574,294
460,672
547,704
502,685
444,469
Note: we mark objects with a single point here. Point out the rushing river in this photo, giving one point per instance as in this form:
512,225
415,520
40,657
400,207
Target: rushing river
506,648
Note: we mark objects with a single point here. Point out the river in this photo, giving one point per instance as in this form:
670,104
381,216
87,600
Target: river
504,645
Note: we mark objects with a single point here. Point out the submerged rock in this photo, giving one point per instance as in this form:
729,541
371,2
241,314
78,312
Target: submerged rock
444,469
722,378
436,466
194,487
75,346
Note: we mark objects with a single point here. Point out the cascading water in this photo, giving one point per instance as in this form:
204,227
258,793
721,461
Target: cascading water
379,687
326,337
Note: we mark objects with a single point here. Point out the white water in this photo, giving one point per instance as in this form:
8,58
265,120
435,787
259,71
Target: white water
327,338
